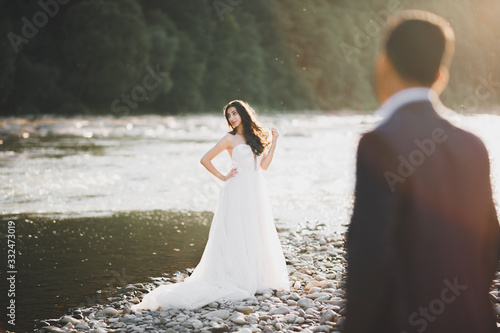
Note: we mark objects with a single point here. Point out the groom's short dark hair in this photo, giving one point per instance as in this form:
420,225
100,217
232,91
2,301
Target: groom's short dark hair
418,43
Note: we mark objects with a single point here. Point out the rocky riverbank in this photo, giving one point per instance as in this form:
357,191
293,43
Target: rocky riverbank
315,303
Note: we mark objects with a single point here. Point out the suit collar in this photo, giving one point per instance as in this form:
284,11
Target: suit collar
403,97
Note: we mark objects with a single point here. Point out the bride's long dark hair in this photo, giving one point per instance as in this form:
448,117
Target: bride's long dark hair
256,136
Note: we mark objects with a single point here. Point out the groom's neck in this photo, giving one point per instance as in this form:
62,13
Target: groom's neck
394,85
389,80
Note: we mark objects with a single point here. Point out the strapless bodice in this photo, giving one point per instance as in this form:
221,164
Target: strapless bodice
243,158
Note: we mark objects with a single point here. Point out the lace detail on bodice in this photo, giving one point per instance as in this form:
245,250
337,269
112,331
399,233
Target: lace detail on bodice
243,158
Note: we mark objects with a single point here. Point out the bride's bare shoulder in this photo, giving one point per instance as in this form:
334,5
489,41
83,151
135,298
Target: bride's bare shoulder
228,137
227,140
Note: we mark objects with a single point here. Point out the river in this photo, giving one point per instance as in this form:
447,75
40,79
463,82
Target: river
99,202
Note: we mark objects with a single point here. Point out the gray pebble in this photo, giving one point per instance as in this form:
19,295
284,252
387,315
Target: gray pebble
223,314
238,318
283,310
305,303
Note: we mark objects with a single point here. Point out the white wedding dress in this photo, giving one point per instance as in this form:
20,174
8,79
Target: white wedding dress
243,254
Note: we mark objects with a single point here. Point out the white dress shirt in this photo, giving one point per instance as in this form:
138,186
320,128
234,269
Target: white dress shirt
403,97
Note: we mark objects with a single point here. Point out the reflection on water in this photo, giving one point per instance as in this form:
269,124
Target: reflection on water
49,146
97,165
77,262
88,166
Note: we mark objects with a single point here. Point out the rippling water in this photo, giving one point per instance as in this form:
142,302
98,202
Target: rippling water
79,262
92,196
94,166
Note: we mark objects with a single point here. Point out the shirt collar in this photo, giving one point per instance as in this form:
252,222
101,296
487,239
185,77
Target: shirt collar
406,96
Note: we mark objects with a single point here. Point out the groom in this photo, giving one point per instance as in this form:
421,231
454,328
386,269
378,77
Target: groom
422,245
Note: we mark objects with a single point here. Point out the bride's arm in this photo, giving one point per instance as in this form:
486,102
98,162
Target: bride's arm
219,147
267,159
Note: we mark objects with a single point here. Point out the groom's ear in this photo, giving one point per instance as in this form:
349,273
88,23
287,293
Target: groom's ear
382,62
382,66
385,67
442,79
384,75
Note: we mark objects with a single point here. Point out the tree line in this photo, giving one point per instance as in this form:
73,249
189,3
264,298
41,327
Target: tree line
164,56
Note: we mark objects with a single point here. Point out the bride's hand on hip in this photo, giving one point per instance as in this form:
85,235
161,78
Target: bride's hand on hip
231,174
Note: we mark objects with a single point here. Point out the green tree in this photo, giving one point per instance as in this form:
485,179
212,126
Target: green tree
106,49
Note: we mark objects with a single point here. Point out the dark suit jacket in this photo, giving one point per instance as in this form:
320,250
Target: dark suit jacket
422,245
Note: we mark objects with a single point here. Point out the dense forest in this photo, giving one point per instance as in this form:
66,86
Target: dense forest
164,56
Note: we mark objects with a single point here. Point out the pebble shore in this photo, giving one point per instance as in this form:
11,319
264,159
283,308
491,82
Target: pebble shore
315,302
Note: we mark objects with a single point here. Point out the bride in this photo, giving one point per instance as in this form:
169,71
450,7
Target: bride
243,254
